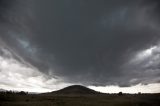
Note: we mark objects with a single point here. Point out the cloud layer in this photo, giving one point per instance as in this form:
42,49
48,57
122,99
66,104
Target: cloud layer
15,75
89,42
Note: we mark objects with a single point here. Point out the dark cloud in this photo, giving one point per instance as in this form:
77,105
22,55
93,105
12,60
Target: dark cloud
88,41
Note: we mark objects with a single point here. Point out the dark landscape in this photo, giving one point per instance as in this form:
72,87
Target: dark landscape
77,96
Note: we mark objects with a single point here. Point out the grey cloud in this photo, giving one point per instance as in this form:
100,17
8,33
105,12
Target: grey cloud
88,42
17,20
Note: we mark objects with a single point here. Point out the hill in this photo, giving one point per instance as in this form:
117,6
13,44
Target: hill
75,89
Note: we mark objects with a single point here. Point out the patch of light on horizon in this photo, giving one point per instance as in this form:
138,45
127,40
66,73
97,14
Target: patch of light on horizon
150,88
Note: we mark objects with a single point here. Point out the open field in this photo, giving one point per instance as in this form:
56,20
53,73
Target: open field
79,100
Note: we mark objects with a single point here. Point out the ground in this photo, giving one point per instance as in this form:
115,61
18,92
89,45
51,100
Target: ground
79,100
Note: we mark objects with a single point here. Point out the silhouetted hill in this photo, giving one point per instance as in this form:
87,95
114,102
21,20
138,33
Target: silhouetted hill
75,89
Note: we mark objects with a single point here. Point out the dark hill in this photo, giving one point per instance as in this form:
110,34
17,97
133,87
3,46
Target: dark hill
75,89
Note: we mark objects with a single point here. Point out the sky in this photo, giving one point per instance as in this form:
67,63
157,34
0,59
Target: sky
107,45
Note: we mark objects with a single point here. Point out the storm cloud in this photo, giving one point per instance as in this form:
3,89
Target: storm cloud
106,42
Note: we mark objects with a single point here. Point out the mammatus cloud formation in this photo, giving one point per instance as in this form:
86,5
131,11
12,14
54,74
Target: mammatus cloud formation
107,42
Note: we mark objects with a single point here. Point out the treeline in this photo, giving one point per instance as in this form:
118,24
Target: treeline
14,92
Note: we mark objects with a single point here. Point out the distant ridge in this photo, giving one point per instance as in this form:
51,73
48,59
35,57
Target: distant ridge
2,90
75,89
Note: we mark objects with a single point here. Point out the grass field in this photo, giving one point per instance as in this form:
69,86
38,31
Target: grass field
79,100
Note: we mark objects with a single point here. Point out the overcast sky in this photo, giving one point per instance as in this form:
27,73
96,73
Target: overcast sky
107,45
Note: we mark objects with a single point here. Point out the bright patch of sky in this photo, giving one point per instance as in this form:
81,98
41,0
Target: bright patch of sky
150,88
18,76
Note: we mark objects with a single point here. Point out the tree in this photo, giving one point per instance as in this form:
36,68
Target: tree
139,93
23,93
120,94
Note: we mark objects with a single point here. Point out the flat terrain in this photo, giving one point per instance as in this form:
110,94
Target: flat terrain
79,100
